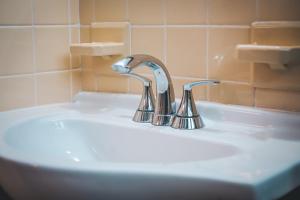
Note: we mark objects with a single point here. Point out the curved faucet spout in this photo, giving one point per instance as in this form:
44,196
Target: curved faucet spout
165,106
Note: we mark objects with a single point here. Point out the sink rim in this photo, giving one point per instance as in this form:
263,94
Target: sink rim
195,169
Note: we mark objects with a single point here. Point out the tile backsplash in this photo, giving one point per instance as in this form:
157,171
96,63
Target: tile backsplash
195,39
35,65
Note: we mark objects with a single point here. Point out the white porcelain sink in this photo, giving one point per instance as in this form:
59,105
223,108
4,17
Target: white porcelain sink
90,149
86,140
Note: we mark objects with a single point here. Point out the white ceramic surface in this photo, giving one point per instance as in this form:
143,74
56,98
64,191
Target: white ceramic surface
97,48
278,57
90,149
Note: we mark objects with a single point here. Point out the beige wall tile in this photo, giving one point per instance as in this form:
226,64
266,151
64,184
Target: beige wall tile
222,63
107,34
88,80
16,92
145,11
231,12
186,12
276,36
199,93
86,11
277,99
15,12
51,11
264,77
279,9
115,84
186,52
147,41
136,86
232,93
53,87
76,82
74,11
110,10
84,34
102,65
52,49
16,51
75,60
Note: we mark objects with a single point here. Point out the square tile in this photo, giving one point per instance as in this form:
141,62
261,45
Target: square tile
186,52
146,12
186,12
278,99
222,63
16,92
240,12
115,84
16,51
232,93
279,10
51,11
110,10
264,77
52,49
15,12
53,87
86,11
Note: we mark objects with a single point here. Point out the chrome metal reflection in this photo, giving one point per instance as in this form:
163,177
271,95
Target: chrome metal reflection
165,106
187,116
145,111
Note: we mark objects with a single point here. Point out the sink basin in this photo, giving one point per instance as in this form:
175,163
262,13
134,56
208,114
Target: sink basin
82,140
91,149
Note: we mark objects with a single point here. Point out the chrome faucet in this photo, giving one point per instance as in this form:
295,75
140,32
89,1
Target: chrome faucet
165,106
145,111
187,116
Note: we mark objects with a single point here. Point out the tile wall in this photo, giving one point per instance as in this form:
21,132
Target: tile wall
35,64
196,40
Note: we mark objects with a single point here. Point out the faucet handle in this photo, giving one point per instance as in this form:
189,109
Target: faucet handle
145,111
187,116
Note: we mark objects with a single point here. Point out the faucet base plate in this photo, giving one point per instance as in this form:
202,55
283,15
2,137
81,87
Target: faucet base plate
143,116
162,120
190,123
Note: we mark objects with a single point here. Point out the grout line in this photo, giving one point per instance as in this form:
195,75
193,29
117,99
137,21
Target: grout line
172,26
206,12
190,26
206,57
93,11
34,52
85,26
130,39
256,10
70,42
127,10
165,33
37,73
254,97
39,26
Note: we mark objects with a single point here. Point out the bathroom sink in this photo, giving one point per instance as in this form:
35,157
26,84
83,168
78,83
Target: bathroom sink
86,140
91,149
